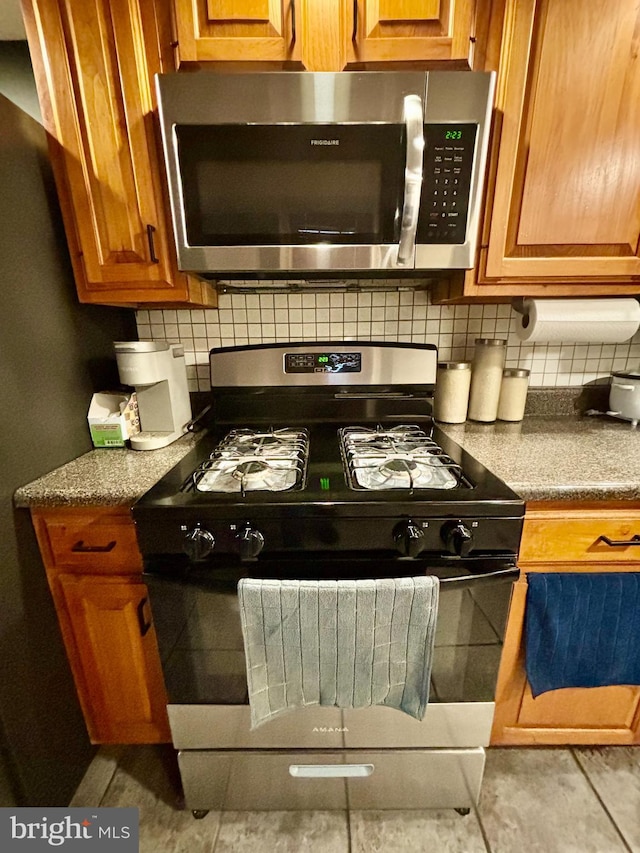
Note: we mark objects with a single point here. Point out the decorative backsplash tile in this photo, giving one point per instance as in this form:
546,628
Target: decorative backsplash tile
385,316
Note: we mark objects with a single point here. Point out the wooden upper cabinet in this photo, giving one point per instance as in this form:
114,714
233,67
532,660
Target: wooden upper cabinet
94,62
412,30
566,201
235,30
324,35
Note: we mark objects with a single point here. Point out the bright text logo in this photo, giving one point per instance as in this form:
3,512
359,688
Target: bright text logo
108,830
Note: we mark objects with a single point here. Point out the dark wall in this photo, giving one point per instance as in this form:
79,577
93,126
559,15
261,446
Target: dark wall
17,82
54,354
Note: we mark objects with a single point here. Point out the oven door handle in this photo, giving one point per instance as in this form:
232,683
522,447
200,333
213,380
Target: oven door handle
484,577
414,123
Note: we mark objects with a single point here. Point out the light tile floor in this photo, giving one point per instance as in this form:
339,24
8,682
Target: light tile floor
578,800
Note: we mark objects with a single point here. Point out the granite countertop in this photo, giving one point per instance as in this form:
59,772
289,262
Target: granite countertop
114,476
558,457
545,457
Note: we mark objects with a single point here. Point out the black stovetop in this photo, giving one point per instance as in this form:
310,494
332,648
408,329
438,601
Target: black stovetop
479,493
327,516
261,387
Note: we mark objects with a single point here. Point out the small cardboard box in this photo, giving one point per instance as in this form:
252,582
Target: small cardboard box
113,418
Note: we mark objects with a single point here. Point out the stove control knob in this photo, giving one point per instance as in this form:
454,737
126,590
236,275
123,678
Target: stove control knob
198,544
457,537
409,539
250,542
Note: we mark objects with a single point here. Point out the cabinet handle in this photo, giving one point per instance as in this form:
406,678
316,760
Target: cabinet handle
292,6
354,34
143,623
80,547
619,543
152,248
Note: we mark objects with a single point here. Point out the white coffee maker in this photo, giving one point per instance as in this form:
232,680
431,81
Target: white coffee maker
158,372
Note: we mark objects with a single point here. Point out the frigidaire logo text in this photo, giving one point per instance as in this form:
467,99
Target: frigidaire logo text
57,832
327,729
325,142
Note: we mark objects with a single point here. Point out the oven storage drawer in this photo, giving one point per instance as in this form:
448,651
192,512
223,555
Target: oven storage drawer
394,779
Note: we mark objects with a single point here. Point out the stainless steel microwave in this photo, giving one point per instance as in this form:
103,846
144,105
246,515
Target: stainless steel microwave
319,172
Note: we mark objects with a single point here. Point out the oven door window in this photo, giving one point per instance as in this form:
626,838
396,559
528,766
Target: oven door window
202,650
255,185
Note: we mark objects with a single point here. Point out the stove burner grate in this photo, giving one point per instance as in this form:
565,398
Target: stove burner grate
248,460
403,457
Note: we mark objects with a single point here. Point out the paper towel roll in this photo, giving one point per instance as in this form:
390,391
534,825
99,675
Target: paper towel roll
601,321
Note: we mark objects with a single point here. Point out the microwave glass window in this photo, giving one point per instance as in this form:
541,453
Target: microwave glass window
333,201
292,184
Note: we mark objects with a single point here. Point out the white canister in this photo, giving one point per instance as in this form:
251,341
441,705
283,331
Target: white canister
451,396
624,395
486,379
513,394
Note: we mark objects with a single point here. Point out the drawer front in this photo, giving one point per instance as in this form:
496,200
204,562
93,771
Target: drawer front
99,540
612,538
404,779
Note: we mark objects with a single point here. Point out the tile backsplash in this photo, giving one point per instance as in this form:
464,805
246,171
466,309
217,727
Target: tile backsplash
385,316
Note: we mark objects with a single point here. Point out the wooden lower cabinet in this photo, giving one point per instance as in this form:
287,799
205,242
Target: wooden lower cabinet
594,715
106,624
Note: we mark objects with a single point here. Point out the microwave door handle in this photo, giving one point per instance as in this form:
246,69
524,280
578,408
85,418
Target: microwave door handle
414,122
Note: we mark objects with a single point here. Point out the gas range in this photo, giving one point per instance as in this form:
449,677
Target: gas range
298,457
322,462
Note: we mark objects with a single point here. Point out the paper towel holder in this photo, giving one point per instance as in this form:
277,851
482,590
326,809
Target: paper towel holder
517,303
529,316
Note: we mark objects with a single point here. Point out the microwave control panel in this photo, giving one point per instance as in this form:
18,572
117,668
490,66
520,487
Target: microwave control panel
448,163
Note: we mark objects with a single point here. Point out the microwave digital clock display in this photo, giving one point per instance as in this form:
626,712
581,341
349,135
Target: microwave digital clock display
326,362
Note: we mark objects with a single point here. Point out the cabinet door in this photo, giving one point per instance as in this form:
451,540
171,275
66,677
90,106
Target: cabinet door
594,715
412,30
94,62
235,30
113,652
567,186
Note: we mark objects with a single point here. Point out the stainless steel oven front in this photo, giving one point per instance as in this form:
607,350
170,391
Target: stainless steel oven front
327,757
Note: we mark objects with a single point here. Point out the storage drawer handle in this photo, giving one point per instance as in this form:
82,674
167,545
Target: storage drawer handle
143,623
93,549
330,771
619,543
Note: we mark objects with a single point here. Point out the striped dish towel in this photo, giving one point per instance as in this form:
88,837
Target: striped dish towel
351,644
582,629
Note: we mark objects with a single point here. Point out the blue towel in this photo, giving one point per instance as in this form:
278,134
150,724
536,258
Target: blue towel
582,630
351,644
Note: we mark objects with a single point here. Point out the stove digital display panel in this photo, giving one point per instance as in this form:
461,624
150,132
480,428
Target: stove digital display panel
323,362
